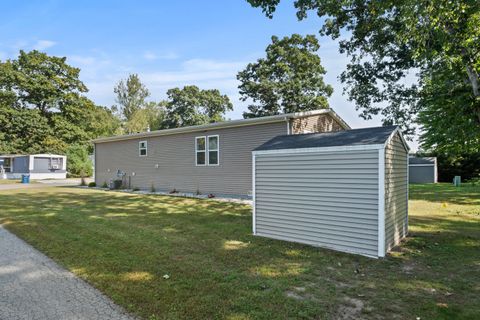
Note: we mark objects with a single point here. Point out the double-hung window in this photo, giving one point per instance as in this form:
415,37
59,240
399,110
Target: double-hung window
142,148
200,151
213,150
207,151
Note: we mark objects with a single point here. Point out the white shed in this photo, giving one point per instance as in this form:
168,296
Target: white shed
345,190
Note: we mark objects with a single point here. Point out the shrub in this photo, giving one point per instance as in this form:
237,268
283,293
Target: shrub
92,184
136,189
78,162
105,184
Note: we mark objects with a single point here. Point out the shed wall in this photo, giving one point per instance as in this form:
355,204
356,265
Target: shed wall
327,199
175,157
396,192
422,174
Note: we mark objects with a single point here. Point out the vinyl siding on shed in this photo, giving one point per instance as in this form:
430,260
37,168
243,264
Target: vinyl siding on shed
326,199
175,156
396,186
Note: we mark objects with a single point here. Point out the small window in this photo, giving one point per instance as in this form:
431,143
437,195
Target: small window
200,151
142,148
213,150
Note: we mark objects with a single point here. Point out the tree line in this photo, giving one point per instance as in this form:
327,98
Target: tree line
43,107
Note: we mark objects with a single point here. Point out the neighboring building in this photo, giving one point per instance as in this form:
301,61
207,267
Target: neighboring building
346,190
422,170
213,158
38,166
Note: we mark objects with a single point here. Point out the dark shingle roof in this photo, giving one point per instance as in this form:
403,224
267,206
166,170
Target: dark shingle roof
415,160
354,137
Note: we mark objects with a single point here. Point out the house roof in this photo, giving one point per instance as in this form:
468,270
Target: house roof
226,124
424,160
353,137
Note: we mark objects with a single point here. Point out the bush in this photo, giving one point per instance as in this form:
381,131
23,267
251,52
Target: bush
92,184
78,162
136,189
105,184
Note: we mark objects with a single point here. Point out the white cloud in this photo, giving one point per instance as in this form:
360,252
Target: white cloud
82,60
149,55
43,44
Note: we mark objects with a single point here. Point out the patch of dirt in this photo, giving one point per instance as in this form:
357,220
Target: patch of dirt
350,310
299,293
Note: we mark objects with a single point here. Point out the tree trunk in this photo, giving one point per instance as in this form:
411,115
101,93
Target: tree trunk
474,81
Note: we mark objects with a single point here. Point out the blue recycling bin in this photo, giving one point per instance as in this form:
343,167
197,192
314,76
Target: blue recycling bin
25,178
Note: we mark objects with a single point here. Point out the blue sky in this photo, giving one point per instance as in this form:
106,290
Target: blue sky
168,43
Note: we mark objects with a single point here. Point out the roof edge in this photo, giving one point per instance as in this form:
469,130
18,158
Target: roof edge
225,124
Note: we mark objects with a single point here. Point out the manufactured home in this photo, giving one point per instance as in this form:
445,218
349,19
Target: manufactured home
38,166
206,159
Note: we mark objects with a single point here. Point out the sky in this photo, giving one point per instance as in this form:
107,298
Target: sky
167,43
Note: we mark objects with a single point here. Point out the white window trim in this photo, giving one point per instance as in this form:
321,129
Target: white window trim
217,150
140,148
197,151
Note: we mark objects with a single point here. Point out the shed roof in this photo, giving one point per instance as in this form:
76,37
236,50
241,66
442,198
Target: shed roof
353,137
422,160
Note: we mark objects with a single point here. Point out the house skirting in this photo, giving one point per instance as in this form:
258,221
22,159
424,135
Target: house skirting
38,176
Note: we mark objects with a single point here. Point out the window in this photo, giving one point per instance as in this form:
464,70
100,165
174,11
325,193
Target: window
207,151
7,164
200,151
213,150
55,163
142,148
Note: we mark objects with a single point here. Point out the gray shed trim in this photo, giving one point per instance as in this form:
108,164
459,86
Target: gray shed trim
366,246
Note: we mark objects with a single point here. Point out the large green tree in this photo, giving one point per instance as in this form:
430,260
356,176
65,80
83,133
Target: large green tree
288,79
42,106
130,96
388,39
447,112
191,106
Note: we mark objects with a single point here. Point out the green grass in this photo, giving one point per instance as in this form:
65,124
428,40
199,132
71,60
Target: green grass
124,244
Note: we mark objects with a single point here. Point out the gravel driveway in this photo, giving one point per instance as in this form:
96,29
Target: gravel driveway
33,287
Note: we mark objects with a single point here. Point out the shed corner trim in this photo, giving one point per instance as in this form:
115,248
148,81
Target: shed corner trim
381,202
254,229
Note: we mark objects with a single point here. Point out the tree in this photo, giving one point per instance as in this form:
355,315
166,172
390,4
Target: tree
36,80
42,108
387,40
78,162
288,79
131,94
191,106
149,117
447,112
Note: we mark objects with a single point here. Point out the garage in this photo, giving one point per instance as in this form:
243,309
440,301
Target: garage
346,190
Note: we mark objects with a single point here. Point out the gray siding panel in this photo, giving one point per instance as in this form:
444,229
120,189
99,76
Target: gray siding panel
175,157
421,174
326,199
42,165
396,198
20,165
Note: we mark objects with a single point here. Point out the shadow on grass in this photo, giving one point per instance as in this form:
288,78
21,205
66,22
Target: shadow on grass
441,192
126,244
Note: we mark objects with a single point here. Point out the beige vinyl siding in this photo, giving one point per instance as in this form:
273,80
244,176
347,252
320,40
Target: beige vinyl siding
316,123
326,199
175,156
396,186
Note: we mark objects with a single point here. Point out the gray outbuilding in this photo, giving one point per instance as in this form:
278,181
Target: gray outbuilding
422,170
345,190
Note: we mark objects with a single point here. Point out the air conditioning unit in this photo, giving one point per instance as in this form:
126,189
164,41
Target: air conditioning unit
55,166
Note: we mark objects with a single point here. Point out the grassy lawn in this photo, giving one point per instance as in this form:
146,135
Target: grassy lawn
124,244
